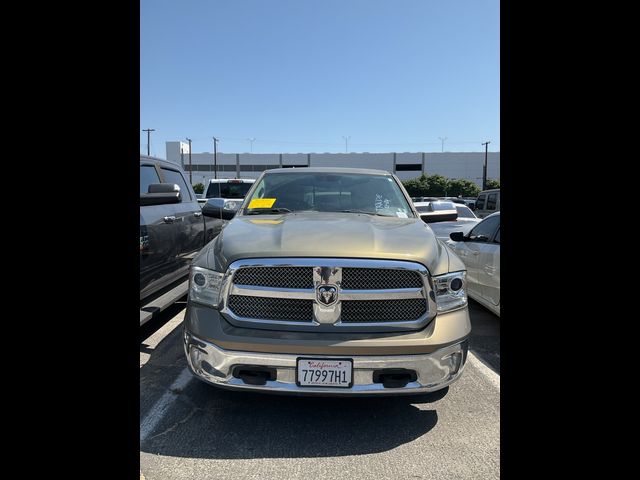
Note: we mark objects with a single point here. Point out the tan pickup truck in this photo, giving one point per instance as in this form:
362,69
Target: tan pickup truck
327,282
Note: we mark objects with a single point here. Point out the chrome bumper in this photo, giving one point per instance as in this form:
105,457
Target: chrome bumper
434,371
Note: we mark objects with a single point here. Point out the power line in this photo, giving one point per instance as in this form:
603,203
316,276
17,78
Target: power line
148,130
190,166
484,167
346,143
215,157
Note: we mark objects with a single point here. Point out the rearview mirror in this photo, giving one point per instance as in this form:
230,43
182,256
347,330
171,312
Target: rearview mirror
161,194
457,236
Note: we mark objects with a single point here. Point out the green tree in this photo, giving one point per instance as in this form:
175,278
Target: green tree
492,183
465,188
198,188
417,187
438,186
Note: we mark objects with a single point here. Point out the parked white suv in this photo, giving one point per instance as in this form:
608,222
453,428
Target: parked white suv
232,190
488,202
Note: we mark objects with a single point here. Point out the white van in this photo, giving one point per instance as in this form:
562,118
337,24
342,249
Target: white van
488,202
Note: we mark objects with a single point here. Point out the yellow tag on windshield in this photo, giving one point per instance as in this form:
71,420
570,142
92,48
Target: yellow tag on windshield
262,202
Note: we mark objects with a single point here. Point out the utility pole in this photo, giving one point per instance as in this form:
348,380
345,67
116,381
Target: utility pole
148,130
346,143
251,140
484,168
215,157
442,139
181,156
190,167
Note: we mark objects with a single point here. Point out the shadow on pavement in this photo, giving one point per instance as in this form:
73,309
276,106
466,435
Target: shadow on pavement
220,424
485,335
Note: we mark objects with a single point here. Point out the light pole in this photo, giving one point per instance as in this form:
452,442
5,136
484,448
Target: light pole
484,168
148,130
346,143
215,157
442,139
251,140
190,167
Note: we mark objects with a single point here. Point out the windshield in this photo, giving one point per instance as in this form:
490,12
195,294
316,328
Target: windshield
228,190
329,192
464,212
437,206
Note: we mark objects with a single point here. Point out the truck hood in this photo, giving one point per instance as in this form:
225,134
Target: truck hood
326,234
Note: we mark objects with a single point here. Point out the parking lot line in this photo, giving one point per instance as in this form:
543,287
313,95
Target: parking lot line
157,412
491,375
154,340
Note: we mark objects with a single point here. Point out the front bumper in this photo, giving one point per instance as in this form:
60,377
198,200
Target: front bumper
434,371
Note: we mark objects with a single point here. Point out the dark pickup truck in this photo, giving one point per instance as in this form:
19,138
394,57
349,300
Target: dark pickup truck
173,229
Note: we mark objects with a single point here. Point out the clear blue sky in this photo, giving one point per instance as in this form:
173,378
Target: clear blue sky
298,75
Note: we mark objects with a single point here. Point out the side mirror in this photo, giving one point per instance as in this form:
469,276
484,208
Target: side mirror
457,236
215,208
161,194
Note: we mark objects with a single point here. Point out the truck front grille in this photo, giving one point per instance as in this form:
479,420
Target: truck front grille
277,277
352,278
379,279
355,311
279,309
328,294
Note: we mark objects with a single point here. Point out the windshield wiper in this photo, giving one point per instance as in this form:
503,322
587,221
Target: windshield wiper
267,211
365,212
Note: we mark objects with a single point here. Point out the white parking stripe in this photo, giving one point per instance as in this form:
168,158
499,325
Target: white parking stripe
155,414
492,376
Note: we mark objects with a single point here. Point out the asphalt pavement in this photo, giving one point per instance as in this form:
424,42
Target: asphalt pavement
193,430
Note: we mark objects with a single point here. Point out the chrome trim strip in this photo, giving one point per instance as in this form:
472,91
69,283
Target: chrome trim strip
395,294
252,291
309,294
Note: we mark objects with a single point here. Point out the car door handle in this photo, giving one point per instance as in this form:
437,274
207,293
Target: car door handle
197,214
475,253
169,219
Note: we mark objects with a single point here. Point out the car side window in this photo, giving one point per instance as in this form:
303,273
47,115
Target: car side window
484,230
491,201
173,176
497,239
213,191
148,175
480,202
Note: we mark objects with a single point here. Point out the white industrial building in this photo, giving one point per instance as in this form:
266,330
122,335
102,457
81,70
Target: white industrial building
466,165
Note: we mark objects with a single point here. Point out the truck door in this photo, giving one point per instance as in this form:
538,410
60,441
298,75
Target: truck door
157,237
188,219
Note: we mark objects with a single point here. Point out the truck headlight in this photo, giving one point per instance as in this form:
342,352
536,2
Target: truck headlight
230,205
204,286
450,290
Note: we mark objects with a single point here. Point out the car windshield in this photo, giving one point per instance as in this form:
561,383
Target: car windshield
329,192
436,206
228,189
464,212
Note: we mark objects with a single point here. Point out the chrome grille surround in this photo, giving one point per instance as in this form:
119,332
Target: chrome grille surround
372,310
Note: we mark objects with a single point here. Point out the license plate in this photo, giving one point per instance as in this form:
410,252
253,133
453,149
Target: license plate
322,372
